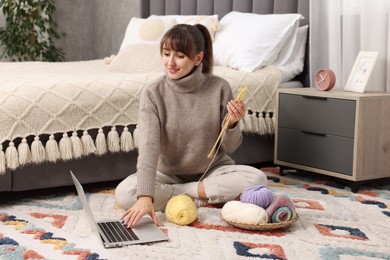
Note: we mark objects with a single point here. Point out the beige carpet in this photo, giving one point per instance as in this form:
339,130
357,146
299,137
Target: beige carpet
334,223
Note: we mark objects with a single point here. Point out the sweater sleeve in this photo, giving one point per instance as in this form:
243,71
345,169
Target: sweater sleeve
149,145
232,139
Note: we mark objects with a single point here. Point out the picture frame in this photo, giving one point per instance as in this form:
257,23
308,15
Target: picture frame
361,71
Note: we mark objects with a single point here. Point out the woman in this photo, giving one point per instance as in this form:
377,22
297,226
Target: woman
180,117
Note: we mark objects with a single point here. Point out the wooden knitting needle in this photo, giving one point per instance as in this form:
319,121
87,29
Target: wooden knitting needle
226,123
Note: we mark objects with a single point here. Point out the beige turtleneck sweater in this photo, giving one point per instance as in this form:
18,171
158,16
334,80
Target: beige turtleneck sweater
179,122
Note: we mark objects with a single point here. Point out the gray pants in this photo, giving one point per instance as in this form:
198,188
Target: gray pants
221,184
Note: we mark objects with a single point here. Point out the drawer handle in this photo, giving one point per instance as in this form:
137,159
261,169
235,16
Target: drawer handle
313,133
314,97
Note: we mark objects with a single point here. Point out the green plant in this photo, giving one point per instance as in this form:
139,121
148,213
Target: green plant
29,31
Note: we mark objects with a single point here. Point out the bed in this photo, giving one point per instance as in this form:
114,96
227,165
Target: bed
82,116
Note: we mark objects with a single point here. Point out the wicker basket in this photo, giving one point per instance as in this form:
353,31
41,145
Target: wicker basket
267,226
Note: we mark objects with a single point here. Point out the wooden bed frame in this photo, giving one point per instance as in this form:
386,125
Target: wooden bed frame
116,166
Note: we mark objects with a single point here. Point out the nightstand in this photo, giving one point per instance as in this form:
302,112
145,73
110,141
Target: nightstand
336,133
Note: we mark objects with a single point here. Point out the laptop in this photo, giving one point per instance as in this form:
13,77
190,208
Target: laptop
114,233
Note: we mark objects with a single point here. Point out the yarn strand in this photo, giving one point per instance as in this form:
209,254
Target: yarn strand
204,173
226,123
214,151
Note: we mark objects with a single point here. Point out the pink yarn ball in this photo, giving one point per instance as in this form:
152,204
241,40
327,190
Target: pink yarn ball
259,195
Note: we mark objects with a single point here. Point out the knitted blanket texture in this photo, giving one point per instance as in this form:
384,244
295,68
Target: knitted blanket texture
43,98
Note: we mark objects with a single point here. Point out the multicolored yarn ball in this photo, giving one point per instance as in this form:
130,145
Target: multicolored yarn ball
181,210
282,208
259,195
282,214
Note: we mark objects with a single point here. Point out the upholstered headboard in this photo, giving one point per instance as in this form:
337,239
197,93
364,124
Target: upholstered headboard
222,7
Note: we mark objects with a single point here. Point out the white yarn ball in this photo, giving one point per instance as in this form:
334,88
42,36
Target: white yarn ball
244,213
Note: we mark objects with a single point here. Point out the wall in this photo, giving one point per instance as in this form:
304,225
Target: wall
2,23
94,29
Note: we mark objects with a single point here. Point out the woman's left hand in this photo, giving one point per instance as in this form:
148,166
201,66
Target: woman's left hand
236,111
143,206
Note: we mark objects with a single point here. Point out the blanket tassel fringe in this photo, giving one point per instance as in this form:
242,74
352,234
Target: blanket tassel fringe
67,148
75,147
2,159
262,123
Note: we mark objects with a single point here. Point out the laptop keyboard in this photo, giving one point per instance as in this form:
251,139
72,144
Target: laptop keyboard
115,231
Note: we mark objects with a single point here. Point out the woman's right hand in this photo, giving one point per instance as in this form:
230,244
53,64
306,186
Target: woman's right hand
143,206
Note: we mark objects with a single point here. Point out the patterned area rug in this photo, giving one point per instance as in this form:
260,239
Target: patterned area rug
334,223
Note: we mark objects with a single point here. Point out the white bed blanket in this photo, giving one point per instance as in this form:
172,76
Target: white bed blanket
47,98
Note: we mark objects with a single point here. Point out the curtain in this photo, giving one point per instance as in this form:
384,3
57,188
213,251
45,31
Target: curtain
339,29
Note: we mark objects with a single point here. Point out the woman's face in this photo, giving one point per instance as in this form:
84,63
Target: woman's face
177,64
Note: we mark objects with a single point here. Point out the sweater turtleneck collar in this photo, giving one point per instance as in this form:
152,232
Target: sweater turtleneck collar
190,82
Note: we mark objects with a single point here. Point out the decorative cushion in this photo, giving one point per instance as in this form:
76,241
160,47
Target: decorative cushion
148,31
250,41
137,58
209,21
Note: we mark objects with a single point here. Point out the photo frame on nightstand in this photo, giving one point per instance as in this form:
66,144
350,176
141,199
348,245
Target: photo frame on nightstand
361,71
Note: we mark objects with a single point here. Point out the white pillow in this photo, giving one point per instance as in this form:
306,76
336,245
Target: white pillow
209,21
293,65
250,41
149,31
287,49
137,58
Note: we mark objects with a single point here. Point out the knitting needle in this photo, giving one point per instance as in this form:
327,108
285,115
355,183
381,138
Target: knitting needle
226,123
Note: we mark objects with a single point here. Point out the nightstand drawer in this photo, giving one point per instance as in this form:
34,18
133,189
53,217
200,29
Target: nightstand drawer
317,114
327,152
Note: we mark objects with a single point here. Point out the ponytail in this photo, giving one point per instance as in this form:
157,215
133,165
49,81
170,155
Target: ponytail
208,59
